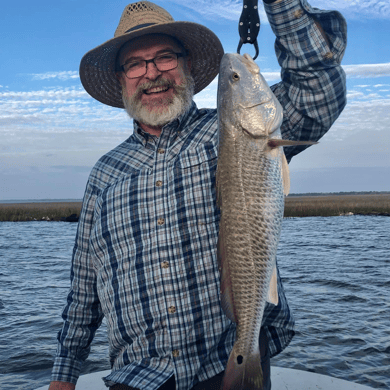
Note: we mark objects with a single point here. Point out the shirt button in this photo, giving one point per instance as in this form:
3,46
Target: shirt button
172,309
161,151
298,13
175,353
165,264
158,183
160,221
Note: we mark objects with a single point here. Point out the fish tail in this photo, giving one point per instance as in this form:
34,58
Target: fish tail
243,372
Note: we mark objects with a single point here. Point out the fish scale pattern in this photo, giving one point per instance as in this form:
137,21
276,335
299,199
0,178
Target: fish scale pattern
251,197
252,212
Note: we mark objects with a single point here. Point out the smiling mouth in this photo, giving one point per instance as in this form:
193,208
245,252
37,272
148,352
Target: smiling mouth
156,90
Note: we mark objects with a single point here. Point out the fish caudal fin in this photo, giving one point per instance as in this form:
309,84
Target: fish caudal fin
243,372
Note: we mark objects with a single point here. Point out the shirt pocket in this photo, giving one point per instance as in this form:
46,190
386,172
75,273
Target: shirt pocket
194,189
116,233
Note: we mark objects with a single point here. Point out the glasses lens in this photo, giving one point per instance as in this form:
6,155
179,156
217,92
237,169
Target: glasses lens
135,69
163,63
167,61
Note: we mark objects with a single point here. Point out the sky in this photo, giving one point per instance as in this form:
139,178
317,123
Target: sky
52,132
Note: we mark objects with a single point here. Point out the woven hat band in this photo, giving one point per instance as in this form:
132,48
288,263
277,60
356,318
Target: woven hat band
140,26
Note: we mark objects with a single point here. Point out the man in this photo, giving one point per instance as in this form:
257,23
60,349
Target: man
145,251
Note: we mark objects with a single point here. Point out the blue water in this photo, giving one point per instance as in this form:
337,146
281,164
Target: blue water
336,272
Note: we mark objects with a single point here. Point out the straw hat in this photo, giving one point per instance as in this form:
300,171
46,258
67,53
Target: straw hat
97,67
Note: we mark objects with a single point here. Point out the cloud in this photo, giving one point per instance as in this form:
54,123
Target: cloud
358,9
367,70
56,109
65,75
361,71
207,98
359,138
42,94
231,9
218,9
366,115
354,94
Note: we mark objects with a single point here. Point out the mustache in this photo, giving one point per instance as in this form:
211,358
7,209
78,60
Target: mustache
153,84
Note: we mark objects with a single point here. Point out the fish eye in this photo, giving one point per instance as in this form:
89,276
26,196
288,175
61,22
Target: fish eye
235,77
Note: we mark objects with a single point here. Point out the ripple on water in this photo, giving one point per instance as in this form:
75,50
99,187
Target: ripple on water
335,272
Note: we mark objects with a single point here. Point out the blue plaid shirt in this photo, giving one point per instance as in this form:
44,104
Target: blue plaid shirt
145,250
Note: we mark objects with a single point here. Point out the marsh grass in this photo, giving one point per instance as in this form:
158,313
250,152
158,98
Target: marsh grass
296,206
15,212
335,205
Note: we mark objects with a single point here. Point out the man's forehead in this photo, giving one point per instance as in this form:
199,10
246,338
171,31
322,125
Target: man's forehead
137,46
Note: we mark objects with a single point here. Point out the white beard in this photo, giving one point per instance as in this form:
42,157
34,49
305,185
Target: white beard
170,108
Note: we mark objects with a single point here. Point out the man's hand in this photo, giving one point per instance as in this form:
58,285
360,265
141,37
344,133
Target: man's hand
61,386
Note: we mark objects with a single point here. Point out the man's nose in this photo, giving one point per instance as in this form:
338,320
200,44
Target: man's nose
151,71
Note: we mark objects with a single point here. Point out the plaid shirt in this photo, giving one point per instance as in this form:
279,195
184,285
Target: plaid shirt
145,251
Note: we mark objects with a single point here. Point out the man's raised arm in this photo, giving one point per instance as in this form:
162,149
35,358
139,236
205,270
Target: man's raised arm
310,44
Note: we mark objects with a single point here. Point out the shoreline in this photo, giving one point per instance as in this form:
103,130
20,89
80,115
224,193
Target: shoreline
313,205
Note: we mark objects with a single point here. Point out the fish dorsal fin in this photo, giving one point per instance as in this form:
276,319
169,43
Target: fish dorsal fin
273,289
285,175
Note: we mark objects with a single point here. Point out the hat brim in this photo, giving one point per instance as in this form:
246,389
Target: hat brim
97,67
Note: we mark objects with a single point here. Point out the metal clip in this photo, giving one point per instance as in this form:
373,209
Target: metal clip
249,25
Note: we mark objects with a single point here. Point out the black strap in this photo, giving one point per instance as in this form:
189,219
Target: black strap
249,25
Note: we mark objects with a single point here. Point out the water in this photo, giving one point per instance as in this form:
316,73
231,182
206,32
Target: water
336,273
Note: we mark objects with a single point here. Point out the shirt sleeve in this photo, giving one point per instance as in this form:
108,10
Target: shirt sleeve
313,87
82,314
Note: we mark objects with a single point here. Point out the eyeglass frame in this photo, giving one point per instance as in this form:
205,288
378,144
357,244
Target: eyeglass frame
178,55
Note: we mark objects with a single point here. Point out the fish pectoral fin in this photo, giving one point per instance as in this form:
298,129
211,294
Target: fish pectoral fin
285,176
276,142
273,289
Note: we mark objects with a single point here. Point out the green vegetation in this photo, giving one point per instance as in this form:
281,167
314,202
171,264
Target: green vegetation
16,212
296,206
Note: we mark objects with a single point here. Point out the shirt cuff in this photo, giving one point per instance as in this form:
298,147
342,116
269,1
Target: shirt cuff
65,370
287,16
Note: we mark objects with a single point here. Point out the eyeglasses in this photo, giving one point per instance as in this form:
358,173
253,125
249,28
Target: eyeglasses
163,62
